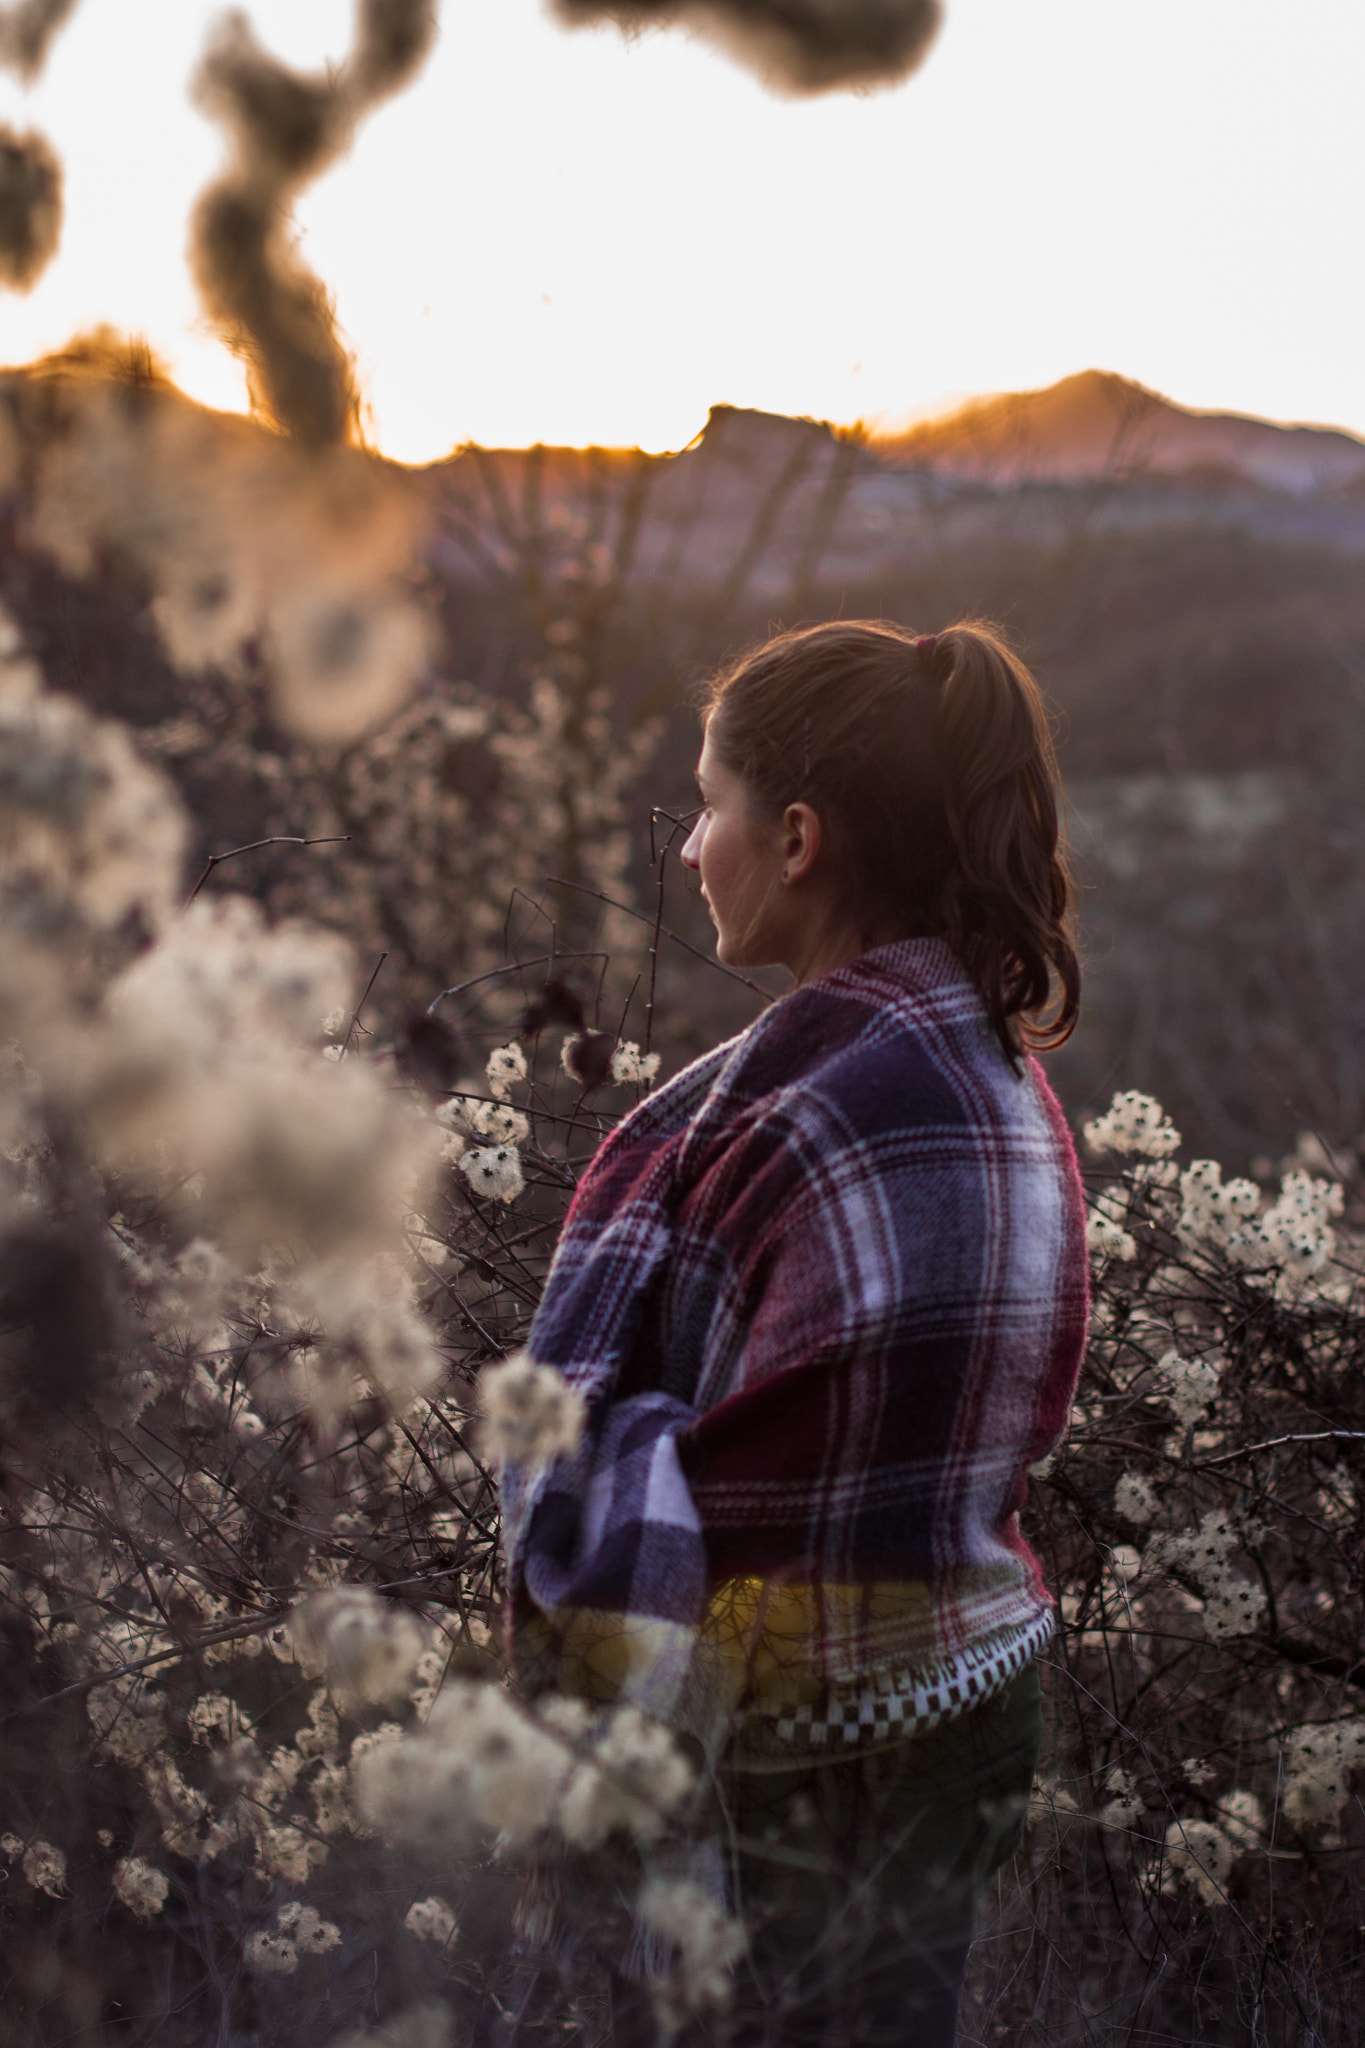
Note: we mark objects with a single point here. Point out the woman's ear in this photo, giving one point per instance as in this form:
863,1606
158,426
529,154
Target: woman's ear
802,840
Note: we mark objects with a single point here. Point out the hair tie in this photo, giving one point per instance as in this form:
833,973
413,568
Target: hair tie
927,645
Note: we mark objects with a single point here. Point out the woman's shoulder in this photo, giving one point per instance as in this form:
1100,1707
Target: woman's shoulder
906,1012
667,1110
896,1048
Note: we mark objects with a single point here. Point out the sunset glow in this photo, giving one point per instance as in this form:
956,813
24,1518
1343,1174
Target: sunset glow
569,238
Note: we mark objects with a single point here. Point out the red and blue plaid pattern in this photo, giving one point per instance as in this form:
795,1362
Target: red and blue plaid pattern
826,1296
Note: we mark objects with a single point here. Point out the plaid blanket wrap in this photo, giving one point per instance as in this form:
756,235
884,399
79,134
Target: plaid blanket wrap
825,1294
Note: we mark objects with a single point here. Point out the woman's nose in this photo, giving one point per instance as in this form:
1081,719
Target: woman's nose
691,853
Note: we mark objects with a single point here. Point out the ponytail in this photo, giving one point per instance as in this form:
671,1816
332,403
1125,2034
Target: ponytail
1007,900
932,768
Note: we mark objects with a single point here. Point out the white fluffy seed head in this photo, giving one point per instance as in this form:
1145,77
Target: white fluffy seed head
1133,1123
708,1942
1319,1760
529,1413
270,1955
506,1066
1135,1499
630,1065
1106,1239
1191,1383
480,1766
494,1171
141,1886
306,1928
633,1781
367,1648
1200,1855
431,1920
44,1865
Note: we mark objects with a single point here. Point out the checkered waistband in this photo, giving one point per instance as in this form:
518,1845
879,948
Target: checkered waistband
886,1707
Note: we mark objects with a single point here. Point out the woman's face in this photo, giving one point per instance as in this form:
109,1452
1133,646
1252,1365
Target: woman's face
739,858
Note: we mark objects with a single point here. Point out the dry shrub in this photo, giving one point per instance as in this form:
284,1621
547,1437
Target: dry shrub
255,1736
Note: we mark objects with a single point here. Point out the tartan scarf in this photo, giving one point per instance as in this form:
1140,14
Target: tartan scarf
825,1294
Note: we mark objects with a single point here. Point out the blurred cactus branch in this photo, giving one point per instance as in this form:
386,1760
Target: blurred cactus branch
285,128
799,46
27,30
30,171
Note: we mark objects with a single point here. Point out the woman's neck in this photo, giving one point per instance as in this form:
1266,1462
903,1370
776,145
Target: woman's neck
834,944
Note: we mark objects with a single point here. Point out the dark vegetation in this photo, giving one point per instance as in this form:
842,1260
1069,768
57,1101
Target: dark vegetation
1206,670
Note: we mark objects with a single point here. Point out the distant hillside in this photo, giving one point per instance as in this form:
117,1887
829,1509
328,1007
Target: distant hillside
1188,588
1099,425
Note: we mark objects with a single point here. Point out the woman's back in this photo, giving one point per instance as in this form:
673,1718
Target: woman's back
843,1260
824,1297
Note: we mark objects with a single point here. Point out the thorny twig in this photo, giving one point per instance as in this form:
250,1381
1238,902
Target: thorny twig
599,896
215,860
354,1024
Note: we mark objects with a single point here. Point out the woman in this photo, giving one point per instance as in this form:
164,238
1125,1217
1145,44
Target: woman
825,1295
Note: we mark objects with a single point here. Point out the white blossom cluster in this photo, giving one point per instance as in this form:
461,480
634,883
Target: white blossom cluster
140,1886
90,843
1136,1499
241,535
495,1172
505,1068
1233,1604
431,1920
632,1782
1125,1801
1319,1760
1290,1239
529,1412
1105,1234
630,1065
1291,1236
1190,1384
42,1863
1133,1123
1201,1854
367,1648
484,1765
298,1931
359,1329
493,1168
207,1067
706,1940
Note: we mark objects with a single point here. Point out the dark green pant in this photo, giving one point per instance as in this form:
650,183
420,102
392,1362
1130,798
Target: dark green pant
859,1879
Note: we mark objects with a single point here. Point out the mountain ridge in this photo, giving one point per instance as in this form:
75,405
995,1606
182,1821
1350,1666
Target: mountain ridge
1099,425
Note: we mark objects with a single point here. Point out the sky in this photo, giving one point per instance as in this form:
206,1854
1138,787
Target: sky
573,238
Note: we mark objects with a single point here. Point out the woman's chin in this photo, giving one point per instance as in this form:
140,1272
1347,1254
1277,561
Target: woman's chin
734,953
